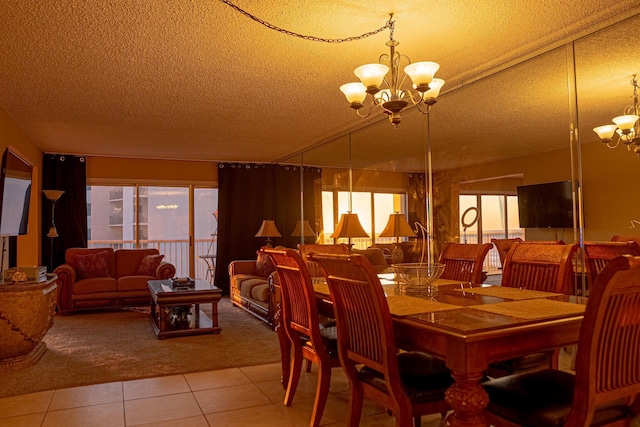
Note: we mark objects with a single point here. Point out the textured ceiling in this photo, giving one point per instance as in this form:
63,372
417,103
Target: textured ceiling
195,79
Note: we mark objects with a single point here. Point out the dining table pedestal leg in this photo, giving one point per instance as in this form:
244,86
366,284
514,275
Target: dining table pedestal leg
468,399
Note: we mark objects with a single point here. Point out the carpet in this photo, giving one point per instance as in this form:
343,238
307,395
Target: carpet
120,345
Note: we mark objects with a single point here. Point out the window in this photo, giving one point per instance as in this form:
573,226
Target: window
155,217
373,209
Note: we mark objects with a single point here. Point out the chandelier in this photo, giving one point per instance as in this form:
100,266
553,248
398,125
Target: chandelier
626,127
395,95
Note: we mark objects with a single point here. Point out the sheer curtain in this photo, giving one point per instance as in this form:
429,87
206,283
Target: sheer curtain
69,174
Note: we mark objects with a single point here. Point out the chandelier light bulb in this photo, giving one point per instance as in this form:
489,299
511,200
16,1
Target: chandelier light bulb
371,75
421,74
355,93
626,123
434,89
606,132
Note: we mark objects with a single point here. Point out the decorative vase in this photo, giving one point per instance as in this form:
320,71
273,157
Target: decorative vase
416,278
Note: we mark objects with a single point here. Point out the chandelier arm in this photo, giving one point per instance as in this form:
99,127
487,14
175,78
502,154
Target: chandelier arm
423,107
613,146
389,24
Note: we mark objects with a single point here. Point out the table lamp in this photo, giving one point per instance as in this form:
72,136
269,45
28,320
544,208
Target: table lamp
303,228
268,229
349,226
397,227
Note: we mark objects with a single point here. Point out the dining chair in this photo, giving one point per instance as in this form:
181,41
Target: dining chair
599,254
300,320
409,384
503,246
607,378
314,268
463,261
537,266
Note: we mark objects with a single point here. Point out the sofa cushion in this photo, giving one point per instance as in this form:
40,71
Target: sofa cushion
260,292
128,260
134,283
264,265
149,264
93,265
95,285
246,286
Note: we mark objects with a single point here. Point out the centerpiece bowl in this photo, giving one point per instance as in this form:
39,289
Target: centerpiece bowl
417,278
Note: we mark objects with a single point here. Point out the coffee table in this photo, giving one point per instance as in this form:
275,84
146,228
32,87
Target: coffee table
166,299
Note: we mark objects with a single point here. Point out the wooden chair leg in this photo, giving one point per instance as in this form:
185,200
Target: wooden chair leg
294,374
355,405
322,392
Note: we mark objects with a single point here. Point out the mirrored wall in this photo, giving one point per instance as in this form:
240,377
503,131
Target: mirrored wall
507,128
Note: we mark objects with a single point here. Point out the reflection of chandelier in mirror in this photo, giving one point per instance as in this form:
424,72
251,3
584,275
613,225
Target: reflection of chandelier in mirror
396,96
627,126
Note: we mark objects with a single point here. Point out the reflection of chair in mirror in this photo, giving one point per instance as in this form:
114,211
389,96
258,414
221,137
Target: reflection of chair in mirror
300,320
617,238
409,384
604,390
503,246
536,266
314,268
463,261
599,254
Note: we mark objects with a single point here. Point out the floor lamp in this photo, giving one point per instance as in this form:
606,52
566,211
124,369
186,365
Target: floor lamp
53,196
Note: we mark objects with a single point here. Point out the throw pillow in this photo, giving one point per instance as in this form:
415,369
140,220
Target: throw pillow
149,264
93,265
264,265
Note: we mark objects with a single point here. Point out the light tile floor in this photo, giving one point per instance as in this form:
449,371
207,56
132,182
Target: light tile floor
235,397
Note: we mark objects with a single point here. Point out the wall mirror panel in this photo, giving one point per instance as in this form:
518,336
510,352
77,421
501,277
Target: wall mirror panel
605,64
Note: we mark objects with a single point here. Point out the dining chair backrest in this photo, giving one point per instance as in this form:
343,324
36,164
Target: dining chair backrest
299,313
540,266
315,269
599,254
618,238
608,352
359,304
365,329
463,261
503,246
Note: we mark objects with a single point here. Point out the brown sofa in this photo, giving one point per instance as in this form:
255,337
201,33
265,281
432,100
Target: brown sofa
93,278
252,287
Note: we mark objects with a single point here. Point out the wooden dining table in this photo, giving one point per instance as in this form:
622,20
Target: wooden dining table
470,327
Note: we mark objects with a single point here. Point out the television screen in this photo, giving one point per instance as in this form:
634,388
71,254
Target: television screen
548,205
15,190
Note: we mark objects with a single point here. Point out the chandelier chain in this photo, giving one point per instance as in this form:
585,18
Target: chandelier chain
389,24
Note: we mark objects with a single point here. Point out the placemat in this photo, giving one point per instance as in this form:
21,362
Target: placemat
508,293
402,305
441,282
321,288
532,308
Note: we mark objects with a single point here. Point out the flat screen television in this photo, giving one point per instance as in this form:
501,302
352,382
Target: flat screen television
15,193
548,205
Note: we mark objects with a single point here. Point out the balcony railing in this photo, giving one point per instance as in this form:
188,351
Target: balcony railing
175,251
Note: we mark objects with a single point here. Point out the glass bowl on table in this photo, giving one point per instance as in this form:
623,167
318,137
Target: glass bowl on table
417,279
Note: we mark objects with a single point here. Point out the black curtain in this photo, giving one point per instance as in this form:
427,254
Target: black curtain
69,174
249,193
245,198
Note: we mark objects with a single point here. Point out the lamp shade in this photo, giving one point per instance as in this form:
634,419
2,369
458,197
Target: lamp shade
53,194
349,226
625,123
354,92
397,226
421,73
303,227
371,75
605,132
434,89
268,229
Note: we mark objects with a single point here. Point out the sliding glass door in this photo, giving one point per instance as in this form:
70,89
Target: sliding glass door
156,217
